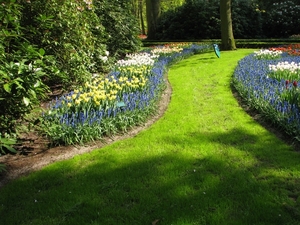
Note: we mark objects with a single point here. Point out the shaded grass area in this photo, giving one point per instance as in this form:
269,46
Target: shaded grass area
204,162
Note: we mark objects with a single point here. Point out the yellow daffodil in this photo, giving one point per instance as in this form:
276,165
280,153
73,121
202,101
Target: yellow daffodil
77,101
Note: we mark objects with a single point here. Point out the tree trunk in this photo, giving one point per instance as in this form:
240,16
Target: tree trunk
228,42
152,14
142,17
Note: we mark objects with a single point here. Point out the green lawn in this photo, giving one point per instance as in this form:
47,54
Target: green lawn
204,162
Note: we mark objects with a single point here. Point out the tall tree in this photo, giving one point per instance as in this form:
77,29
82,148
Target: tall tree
228,42
153,11
142,24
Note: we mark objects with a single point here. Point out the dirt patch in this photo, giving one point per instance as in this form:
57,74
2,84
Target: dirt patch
35,153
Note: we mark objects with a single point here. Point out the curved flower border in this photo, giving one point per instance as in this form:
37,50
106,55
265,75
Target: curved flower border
111,104
271,92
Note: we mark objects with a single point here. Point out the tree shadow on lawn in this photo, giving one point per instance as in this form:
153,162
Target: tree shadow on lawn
275,166
173,188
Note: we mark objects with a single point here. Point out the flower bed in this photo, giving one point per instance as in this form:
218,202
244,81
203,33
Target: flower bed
270,85
126,97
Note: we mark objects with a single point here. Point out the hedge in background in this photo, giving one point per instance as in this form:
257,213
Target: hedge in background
200,19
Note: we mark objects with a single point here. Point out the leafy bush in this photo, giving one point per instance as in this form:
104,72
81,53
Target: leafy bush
121,26
71,32
6,145
21,69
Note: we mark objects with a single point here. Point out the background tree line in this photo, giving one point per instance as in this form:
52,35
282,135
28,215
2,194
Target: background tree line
200,19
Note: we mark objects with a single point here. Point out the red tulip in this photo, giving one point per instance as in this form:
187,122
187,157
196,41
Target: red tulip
295,84
286,84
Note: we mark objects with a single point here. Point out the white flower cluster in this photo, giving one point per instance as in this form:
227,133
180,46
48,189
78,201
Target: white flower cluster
285,66
89,4
105,58
269,54
138,59
166,50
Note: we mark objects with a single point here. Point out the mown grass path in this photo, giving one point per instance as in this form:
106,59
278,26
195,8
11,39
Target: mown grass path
204,162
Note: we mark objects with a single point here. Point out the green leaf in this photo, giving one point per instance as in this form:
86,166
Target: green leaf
42,51
32,93
37,84
9,148
2,167
8,141
26,101
7,88
4,75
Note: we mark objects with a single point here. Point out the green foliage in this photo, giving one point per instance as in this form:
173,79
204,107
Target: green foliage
2,168
71,32
193,20
282,19
120,25
21,69
43,43
292,95
21,86
6,145
246,19
200,19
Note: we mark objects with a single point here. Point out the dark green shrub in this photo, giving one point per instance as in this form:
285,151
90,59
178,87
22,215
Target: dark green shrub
200,19
120,25
246,19
71,32
281,20
21,69
195,19
6,146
